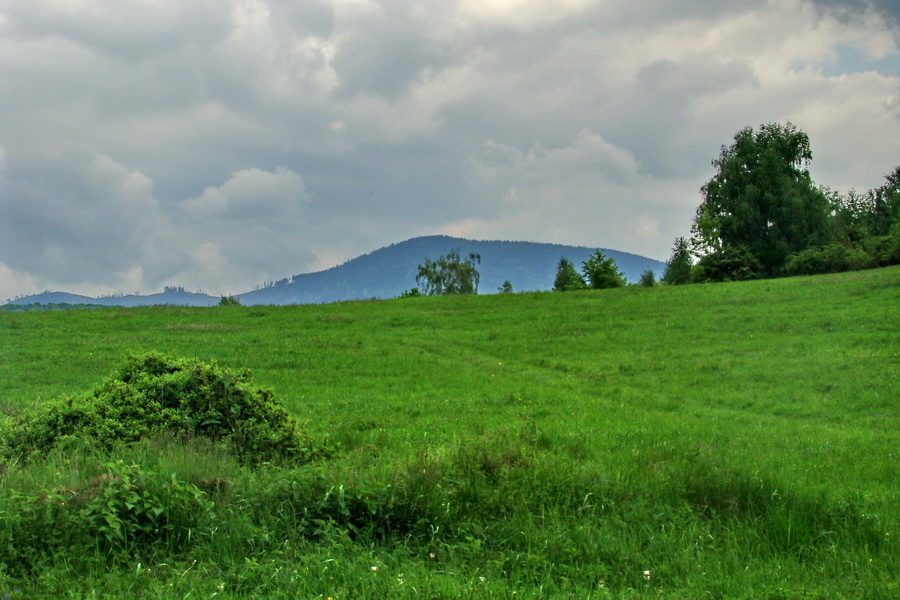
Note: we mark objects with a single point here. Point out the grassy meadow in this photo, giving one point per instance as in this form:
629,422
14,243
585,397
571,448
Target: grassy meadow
737,440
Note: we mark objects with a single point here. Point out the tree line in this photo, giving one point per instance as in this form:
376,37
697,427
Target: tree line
454,274
761,216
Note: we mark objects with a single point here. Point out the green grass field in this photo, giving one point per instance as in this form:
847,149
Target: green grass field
706,441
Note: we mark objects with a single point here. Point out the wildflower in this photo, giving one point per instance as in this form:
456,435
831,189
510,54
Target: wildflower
482,579
374,568
646,575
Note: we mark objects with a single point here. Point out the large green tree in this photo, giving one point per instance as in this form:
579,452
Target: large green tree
449,274
762,202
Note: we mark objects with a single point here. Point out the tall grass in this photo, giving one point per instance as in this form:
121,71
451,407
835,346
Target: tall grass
724,441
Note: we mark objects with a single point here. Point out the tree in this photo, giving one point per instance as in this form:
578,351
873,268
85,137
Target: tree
858,216
762,201
601,272
567,278
648,278
506,288
229,301
864,232
678,269
449,274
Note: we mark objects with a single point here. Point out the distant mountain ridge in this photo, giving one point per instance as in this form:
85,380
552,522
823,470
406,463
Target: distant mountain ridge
389,271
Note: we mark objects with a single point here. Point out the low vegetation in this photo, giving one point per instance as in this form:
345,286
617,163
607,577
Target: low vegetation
733,440
151,394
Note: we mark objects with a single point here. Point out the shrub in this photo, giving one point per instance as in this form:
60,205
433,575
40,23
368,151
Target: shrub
884,249
833,258
648,278
729,264
151,394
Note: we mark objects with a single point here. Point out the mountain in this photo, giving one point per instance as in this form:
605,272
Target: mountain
170,296
389,271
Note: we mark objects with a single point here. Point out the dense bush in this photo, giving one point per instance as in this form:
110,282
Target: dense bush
884,249
150,394
728,264
833,258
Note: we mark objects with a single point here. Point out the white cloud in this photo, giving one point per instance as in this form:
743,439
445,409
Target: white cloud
16,283
252,195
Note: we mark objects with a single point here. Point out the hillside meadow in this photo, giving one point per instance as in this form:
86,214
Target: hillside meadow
734,440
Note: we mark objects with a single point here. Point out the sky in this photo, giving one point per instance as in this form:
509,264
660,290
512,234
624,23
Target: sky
220,144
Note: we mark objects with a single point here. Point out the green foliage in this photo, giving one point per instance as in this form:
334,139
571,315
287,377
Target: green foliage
153,393
128,506
506,288
567,278
762,201
50,306
411,293
601,272
832,258
865,233
884,249
872,214
449,275
648,279
124,509
678,269
734,263
229,301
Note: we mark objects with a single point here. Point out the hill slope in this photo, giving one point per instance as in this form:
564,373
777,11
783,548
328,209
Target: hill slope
387,272
735,440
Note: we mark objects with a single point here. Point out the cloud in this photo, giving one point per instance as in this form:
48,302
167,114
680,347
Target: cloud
220,143
888,10
91,218
129,29
252,195
582,188
251,228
